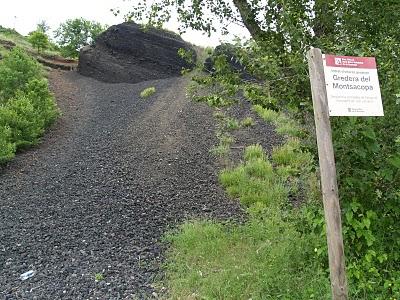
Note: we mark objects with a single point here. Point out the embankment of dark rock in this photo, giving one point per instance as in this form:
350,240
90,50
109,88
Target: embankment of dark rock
128,53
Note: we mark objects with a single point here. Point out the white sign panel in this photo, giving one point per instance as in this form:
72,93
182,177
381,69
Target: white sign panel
352,86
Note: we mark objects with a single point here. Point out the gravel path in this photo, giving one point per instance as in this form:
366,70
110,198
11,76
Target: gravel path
109,179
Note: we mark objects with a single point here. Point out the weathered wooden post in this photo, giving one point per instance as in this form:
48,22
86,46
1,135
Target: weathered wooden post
328,176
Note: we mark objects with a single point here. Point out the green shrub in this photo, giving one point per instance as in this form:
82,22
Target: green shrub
38,93
148,92
260,96
26,105
20,116
16,70
7,148
39,40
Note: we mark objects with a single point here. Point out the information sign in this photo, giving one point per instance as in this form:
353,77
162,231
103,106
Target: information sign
352,86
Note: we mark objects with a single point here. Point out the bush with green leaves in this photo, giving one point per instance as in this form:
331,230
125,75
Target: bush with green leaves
20,115
26,105
16,69
39,40
7,147
38,93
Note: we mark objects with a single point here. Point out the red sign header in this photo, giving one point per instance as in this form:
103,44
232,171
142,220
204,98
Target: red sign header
350,62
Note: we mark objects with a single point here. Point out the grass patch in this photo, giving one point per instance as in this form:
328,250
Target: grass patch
254,152
263,259
254,182
291,156
284,125
148,92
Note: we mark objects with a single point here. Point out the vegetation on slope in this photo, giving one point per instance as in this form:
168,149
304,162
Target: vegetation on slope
27,107
13,38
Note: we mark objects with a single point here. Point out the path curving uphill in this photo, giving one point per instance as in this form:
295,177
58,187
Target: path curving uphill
112,176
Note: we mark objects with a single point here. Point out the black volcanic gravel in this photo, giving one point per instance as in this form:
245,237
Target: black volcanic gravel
96,196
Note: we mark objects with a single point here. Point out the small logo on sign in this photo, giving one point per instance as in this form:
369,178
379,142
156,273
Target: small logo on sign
338,60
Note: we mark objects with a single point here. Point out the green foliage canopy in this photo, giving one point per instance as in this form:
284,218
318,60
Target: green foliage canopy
76,33
39,40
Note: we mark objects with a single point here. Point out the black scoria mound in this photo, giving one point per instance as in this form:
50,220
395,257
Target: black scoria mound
128,53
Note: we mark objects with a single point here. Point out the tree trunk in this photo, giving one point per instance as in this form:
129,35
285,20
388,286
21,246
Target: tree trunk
249,19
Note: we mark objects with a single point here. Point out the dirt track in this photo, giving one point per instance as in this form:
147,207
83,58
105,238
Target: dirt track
108,180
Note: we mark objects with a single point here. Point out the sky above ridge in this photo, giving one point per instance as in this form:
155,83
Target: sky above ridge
23,15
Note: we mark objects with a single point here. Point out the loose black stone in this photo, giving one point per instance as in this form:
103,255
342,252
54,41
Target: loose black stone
128,53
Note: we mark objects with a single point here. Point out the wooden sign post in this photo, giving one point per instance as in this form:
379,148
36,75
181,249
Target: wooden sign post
328,176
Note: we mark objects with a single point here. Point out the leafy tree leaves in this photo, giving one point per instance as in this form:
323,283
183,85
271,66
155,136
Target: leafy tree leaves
75,34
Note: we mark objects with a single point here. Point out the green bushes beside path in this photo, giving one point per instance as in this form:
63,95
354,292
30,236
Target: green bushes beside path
27,107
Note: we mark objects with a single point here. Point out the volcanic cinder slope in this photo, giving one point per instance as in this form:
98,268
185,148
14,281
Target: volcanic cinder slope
128,53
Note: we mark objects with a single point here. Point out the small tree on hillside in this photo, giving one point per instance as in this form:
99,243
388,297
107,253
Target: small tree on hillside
39,40
74,34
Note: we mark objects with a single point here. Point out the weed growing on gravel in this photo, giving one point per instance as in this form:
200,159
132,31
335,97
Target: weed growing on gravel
98,277
247,122
219,115
148,92
231,123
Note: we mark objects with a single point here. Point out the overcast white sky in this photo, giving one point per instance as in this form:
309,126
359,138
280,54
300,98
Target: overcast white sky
23,15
